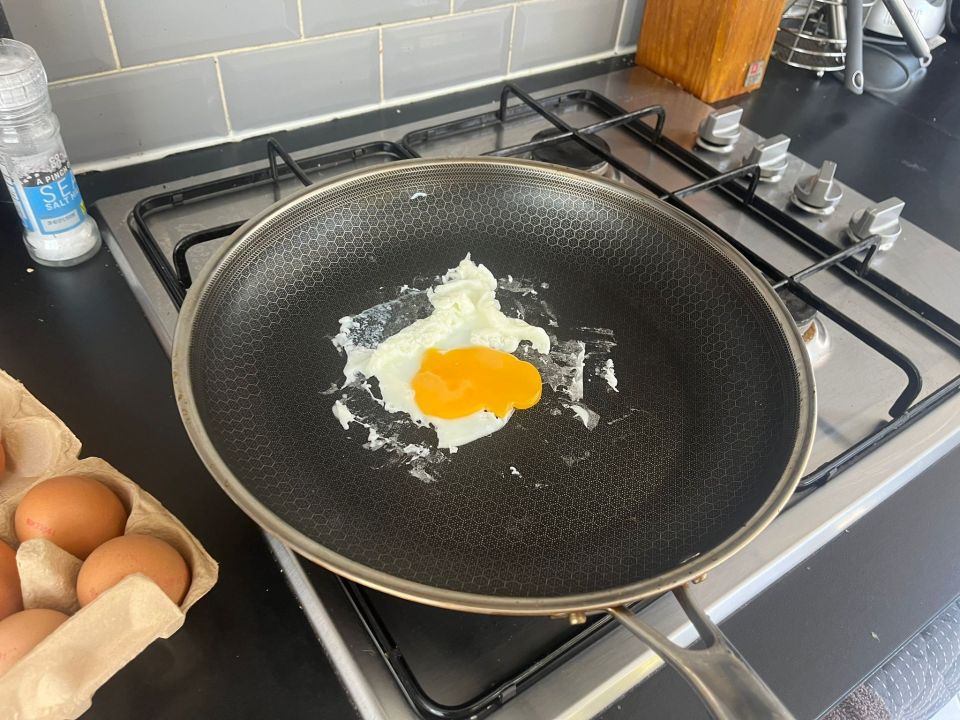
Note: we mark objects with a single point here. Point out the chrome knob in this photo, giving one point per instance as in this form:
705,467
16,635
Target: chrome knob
772,157
882,219
720,130
818,193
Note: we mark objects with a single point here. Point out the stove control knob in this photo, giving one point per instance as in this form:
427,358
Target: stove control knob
772,157
720,130
818,193
882,219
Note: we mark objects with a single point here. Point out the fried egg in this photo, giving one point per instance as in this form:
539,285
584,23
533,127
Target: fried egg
454,370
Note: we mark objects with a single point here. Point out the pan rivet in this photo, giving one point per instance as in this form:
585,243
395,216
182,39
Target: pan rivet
577,618
699,579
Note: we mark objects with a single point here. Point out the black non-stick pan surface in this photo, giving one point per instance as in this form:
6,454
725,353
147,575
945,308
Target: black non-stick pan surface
704,440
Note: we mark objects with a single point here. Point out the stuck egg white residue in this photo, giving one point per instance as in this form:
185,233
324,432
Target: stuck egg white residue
356,355
562,368
396,438
360,334
588,417
416,450
571,460
383,435
418,195
601,331
606,371
421,473
342,413
630,413
575,389
516,286
373,396
465,312
374,440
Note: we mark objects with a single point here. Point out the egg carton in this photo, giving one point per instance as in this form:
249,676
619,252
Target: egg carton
57,679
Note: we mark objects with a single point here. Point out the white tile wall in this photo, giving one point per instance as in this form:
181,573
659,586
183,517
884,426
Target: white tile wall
71,37
140,111
450,51
559,30
150,30
289,83
321,17
133,79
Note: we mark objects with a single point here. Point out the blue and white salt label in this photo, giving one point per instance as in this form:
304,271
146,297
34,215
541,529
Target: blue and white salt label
45,193
53,198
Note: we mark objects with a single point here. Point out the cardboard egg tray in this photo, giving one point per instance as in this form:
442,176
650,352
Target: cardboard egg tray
58,678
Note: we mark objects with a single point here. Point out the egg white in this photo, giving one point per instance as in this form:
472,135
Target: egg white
465,313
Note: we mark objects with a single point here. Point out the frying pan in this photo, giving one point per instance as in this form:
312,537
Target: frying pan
697,452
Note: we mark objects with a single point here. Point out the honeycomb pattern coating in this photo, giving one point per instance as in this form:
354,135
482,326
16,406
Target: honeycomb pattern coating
685,453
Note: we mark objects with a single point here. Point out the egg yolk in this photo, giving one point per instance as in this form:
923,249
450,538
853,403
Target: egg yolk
463,381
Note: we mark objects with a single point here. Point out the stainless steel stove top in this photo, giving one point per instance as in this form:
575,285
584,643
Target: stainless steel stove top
856,385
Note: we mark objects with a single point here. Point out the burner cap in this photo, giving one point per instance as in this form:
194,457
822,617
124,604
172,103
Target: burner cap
570,153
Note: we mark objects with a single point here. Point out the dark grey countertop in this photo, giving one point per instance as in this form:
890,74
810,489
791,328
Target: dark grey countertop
826,625
79,341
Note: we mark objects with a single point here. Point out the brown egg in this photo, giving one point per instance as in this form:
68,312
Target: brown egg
76,513
115,559
11,600
23,631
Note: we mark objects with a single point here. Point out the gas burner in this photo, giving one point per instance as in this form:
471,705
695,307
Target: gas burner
572,154
812,330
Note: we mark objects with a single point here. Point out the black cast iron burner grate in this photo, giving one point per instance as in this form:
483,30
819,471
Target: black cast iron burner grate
740,184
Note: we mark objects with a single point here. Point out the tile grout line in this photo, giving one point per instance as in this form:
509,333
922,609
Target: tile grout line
513,26
380,54
285,43
223,97
211,55
300,17
109,27
124,160
623,17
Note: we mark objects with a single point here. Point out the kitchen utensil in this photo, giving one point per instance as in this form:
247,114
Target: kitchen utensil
853,73
827,36
697,452
908,28
929,15
815,34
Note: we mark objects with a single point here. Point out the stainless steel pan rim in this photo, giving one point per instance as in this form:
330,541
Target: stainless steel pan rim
469,602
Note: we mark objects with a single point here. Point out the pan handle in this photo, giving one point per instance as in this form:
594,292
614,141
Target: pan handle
726,684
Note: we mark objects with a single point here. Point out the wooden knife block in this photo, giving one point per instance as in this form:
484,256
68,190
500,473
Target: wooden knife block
715,49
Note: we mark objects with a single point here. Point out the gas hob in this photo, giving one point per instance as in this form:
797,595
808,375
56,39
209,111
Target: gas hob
872,294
